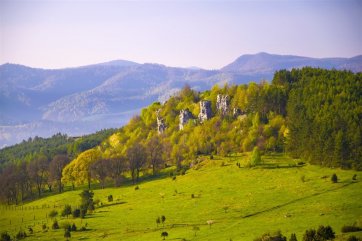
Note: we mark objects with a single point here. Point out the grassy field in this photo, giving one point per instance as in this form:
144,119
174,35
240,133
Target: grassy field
243,203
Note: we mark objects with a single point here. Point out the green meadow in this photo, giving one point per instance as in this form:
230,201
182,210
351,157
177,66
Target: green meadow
238,203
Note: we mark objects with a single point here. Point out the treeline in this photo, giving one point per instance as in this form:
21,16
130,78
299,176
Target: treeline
33,166
59,143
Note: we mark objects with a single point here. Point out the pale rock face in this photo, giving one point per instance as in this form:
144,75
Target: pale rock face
185,116
222,104
161,126
205,110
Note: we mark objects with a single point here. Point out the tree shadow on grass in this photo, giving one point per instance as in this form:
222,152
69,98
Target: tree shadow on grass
110,204
296,200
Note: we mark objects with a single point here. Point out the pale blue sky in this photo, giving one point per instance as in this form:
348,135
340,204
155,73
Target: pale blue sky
208,34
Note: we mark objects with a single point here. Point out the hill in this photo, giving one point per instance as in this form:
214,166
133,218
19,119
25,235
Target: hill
243,203
77,101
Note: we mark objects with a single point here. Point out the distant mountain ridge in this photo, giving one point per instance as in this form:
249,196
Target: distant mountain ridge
84,99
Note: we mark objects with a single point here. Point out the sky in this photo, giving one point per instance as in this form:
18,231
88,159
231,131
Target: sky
183,33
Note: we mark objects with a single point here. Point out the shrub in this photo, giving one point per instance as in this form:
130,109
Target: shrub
354,178
20,235
74,228
255,157
53,214
302,178
174,178
211,157
55,225
310,235
164,235
192,195
44,226
325,233
349,229
67,210
83,229
272,237
83,212
137,187
163,219
110,198
293,237
30,230
67,234
5,236
334,178
76,213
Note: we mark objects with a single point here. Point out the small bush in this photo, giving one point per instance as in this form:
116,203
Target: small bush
53,214
192,195
55,225
354,178
83,229
74,228
83,212
211,157
272,237
302,178
325,233
293,237
76,213
110,198
44,226
67,211
20,235
164,235
174,178
5,236
301,163
137,188
30,230
334,178
349,229
67,234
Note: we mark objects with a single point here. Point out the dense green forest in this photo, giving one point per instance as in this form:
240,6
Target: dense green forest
59,143
312,114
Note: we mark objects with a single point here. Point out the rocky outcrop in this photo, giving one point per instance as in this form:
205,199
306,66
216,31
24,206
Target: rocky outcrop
205,110
222,104
161,126
185,116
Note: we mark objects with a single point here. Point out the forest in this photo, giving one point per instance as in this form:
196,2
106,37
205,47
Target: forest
312,114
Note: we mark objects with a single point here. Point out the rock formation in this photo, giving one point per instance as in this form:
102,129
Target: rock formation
185,116
205,110
161,126
222,104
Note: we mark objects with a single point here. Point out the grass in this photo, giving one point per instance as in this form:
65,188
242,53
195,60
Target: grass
243,203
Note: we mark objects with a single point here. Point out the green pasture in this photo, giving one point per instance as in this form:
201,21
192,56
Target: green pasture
241,203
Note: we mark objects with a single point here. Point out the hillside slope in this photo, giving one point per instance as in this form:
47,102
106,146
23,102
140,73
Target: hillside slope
243,203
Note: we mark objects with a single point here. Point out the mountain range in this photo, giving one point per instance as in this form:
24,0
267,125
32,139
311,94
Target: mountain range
76,101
